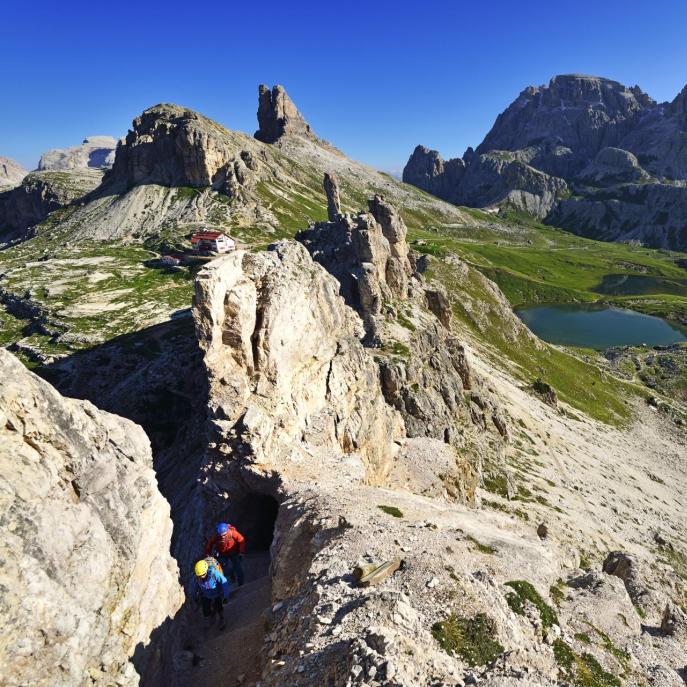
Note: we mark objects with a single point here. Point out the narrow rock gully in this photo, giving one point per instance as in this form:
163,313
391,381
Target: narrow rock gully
232,656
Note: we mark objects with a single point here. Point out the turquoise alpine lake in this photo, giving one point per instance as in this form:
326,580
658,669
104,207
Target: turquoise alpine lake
594,326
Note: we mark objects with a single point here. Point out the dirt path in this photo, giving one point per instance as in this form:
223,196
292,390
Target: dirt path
231,657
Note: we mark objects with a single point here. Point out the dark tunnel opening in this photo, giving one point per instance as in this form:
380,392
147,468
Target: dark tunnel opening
254,516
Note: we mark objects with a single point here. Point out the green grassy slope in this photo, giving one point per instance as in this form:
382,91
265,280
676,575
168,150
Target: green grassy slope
541,264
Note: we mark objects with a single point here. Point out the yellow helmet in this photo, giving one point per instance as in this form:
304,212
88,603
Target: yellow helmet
201,568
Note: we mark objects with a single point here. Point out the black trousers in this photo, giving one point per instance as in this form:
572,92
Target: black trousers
211,606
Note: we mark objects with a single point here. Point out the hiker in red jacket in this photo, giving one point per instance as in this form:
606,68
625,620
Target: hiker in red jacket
228,545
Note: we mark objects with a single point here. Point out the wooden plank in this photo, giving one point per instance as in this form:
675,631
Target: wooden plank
374,573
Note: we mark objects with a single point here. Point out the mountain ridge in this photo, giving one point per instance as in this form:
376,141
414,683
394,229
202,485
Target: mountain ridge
559,130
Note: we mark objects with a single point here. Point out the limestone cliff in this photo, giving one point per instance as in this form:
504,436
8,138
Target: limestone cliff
40,193
11,172
172,146
285,363
86,571
95,152
424,369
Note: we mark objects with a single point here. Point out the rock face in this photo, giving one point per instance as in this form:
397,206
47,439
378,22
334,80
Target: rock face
285,362
278,116
423,368
331,188
96,152
613,166
86,571
171,146
584,153
40,193
427,170
11,172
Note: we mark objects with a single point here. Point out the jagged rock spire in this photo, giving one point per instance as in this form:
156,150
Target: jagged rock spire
331,188
278,116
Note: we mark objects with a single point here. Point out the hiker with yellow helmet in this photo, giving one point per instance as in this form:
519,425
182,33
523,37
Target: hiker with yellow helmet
212,589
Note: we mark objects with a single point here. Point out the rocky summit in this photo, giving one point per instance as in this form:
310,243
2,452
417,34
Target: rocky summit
11,173
585,153
95,152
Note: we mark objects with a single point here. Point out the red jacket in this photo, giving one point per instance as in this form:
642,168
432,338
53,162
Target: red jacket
231,543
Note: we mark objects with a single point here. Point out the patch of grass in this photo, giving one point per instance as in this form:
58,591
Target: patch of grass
470,638
496,484
582,670
583,637
608,644
391,510
405,322
525,591
676,559
397,348
482,548
640,611
557,593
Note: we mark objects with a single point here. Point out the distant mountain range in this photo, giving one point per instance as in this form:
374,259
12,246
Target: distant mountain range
584,153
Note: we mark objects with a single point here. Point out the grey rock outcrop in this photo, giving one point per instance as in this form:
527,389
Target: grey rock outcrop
40,193
86,571
584,153
424,369
96,152
613,166
285,362
652,213
172,146
427,170
500,178
11,172
278,116
331,188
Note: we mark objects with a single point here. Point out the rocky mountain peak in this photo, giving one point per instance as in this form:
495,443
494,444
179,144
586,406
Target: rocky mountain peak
581,90
679,105
574,136
172,146
584,113
427,170
95,152
11,172
278,116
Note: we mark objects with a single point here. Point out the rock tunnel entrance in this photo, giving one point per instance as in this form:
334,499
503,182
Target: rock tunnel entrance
254,515
210,655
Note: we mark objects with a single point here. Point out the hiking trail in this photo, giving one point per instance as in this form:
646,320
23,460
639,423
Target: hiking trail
232,656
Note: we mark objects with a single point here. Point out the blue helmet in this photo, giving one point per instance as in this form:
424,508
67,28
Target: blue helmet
222,529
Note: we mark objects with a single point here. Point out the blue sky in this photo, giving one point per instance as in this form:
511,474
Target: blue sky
375,78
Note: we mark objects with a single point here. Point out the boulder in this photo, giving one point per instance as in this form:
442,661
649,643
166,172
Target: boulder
86,571
626,567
